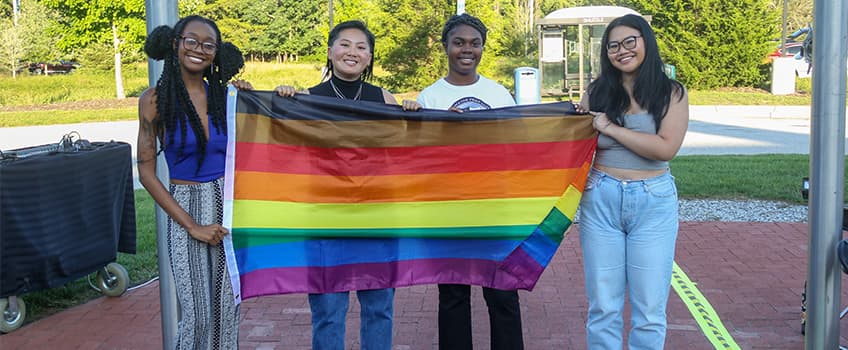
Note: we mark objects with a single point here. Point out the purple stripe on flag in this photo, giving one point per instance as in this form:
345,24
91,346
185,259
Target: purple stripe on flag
519,263
386,275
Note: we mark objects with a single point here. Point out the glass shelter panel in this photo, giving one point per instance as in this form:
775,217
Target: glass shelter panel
552,64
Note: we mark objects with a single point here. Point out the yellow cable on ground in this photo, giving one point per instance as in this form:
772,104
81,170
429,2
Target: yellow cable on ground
701,310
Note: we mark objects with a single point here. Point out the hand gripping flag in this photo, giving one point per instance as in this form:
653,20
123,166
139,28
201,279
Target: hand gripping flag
328,195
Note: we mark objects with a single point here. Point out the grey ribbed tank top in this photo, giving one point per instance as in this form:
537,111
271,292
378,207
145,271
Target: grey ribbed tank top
613,154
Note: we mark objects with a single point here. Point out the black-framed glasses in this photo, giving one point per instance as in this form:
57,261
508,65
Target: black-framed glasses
627,43
192,44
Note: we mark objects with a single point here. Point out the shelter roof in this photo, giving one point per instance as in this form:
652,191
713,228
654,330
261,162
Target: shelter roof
586,15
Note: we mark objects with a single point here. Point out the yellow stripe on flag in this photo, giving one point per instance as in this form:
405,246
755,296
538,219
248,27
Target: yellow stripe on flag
489,212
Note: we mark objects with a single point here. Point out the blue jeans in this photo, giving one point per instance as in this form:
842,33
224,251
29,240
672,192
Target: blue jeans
328,319
628,230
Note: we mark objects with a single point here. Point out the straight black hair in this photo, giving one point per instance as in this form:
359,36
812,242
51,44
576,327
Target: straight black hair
652,89
334,34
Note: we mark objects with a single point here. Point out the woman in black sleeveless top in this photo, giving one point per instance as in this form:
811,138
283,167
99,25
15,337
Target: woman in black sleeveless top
350,61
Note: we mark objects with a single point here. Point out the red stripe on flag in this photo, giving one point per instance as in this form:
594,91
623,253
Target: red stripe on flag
412,160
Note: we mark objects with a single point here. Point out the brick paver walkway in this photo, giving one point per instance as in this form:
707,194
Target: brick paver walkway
751,273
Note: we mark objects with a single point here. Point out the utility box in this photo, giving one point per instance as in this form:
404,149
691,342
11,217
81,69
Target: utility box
783,76
527,86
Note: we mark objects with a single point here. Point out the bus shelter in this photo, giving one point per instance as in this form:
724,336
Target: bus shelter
570,47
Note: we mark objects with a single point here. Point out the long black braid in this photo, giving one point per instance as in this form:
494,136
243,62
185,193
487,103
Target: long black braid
173,104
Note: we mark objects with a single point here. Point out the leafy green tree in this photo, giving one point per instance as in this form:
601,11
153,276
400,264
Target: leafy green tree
363,10
409,46
287,29
189,7
714,43
32,39
799,14
12,46
409,34
232,20
100,22
6,9
296,27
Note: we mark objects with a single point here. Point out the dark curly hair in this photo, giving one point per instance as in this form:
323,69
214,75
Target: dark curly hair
334,34
173,105
465,19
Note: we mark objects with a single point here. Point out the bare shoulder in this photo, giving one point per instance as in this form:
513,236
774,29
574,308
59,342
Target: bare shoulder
147,98
390,99
147,104
679,93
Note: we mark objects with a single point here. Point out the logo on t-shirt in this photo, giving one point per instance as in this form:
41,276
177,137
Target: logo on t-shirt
470,104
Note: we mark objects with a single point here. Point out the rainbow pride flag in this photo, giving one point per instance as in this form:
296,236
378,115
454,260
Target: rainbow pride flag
328,195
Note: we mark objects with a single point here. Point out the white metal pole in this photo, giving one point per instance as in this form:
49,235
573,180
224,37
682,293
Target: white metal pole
827,175
460,7
163,12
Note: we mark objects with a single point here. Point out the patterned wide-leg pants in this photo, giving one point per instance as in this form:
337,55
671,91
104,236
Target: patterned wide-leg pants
208,316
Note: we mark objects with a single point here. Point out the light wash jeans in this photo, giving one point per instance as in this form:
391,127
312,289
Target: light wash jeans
328,319
628,230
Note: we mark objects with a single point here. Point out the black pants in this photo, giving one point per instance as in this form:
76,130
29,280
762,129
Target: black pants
455,318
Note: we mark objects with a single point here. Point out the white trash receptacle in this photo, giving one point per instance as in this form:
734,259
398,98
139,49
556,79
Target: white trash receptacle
783,76
527,86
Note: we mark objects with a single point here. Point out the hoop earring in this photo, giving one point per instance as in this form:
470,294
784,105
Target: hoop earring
212,69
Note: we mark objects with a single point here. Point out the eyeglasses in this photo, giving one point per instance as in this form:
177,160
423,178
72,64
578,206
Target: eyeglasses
192,44
628,43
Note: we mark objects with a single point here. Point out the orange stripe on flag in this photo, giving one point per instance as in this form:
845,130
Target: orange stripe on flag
402,188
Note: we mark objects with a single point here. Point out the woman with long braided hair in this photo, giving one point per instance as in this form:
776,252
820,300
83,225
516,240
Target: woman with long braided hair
185,112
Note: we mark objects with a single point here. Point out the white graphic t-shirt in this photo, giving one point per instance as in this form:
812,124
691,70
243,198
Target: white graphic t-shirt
483,94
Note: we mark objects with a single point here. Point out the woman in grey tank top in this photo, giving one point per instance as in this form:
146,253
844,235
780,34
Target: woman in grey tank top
628,226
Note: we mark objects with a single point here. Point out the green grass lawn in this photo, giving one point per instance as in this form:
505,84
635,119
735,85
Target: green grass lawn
53,117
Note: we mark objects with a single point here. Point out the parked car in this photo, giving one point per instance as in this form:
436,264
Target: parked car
793,50
53,67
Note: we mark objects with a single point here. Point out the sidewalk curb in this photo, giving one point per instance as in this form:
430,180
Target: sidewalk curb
771,112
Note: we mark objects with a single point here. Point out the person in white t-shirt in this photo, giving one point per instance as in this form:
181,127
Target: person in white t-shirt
465,92
463,89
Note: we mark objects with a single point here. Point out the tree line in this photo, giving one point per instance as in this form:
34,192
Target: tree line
712,43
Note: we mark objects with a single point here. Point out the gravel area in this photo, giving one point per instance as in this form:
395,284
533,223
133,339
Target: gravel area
738,210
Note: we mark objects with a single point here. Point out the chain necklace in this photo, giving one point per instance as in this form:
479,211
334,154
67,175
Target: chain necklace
340,95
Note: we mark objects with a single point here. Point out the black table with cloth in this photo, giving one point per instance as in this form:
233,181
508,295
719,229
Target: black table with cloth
64,214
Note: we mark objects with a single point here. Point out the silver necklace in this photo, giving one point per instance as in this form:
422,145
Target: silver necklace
340,95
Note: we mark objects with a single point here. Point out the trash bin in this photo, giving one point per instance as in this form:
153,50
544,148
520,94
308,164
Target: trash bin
783,76
527,86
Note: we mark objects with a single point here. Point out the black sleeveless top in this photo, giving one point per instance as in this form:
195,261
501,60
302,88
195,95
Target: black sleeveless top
348,90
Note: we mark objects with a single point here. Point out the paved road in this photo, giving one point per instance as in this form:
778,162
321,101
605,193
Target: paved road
18,137
748,130
712,130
